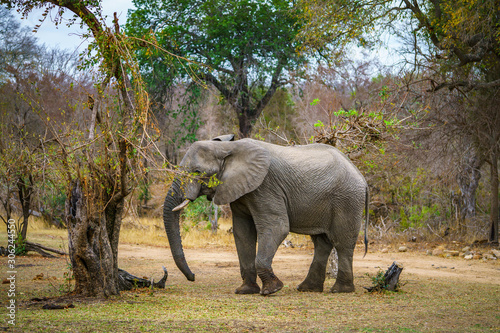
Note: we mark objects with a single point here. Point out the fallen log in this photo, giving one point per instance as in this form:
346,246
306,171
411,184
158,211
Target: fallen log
46,248
42,249
127,281
51,306
390,280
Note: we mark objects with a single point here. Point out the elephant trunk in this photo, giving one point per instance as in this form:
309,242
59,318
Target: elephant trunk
171,220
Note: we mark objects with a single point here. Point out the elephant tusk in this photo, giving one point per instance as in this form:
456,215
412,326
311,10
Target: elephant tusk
182,205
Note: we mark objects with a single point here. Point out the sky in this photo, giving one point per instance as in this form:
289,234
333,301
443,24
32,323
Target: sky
70,38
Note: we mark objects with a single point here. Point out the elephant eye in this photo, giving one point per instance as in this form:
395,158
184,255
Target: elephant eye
197,171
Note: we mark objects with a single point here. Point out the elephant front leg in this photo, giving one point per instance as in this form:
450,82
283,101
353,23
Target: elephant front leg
317,272
270,237
245,238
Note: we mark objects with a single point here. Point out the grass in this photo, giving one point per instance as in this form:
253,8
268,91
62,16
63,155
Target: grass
426,304
210,306
150,231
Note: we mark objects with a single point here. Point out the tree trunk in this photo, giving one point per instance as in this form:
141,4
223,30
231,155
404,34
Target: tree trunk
25,190
468,181
332,267
213,217
92,258
390,280
7,206
245,124
494,198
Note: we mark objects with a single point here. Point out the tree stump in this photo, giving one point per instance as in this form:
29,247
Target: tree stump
390,280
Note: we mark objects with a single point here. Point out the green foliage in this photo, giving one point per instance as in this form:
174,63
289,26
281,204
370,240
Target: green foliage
319,123
217,32
197,211
352,130
213,181
379,284
186,133
454,35
242,47
315,102
144,192
417,216
378,280
20,245
344,113
277,119
66,286
53,198
383,93
413,197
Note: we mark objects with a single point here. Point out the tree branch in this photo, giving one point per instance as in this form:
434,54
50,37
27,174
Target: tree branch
468,85
272,89
223,90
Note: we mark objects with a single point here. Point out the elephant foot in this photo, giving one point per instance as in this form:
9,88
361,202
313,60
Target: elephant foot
342,288
270,284
248,288
310,287
270,288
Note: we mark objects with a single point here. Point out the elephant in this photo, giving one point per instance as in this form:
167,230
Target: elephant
273,190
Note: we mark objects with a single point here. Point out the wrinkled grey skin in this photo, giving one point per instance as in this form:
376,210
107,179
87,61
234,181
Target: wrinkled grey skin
273,190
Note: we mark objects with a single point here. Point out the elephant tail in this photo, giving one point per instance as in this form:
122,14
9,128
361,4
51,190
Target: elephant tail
367,214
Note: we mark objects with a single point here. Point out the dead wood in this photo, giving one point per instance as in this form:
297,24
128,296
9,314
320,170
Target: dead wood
127,281
42,249
51,306
390,280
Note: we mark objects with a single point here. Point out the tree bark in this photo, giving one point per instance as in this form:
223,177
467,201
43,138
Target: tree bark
494,213
332,267
245,124
90,250
390,280
42,249
213,217
6,205
25,190
468,181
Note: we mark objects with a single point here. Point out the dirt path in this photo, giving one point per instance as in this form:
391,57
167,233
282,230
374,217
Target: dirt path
295,263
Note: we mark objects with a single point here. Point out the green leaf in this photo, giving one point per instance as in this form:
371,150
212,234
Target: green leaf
319,123
315,101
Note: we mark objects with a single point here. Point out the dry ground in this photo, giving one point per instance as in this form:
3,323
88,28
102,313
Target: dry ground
440,295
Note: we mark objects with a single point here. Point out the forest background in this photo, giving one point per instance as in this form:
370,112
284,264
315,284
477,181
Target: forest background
116,119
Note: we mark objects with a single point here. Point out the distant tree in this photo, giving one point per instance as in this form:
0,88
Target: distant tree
99,154
34,80
19,54
453,45
244,48
18,46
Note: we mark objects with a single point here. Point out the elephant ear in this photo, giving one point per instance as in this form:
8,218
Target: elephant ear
226,137
245,167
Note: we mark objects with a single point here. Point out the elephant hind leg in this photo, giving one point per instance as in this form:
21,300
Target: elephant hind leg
317,272
344,282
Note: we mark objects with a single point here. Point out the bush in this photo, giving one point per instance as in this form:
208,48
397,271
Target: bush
197,210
